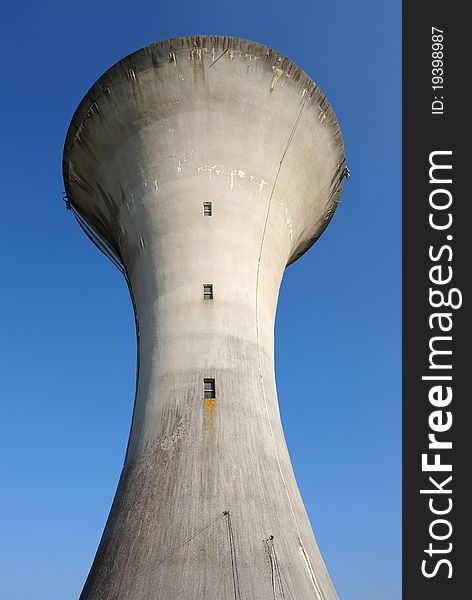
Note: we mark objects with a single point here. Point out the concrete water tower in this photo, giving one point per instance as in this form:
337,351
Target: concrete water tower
203,166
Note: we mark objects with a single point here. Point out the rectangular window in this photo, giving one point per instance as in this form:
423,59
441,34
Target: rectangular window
208,291
209,388
207,211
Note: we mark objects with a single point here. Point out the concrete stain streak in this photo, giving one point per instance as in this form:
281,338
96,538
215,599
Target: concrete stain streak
277,73
209,406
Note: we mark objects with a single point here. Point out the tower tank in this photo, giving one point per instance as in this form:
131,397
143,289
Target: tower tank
203,166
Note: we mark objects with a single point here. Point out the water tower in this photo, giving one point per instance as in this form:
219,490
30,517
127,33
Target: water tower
203,166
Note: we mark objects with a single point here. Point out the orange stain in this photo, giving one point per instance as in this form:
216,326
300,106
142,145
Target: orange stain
209,405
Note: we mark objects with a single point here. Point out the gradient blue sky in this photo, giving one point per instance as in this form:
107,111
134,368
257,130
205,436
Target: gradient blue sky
68,347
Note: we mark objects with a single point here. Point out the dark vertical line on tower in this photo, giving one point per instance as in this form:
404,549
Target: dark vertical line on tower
287,145
234,564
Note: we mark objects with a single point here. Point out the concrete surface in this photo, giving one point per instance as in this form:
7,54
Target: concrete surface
207,507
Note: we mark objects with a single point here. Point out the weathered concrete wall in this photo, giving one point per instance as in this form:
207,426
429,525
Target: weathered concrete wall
206,482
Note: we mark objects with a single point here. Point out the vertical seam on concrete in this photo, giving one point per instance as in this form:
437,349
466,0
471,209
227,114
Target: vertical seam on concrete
316,585
289,141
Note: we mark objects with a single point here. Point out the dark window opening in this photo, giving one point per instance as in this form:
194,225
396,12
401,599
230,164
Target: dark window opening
207,209
209,388
208,291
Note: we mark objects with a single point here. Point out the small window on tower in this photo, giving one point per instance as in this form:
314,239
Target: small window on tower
207,210
208,291
209,388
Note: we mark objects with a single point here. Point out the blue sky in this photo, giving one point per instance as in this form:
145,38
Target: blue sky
68,347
